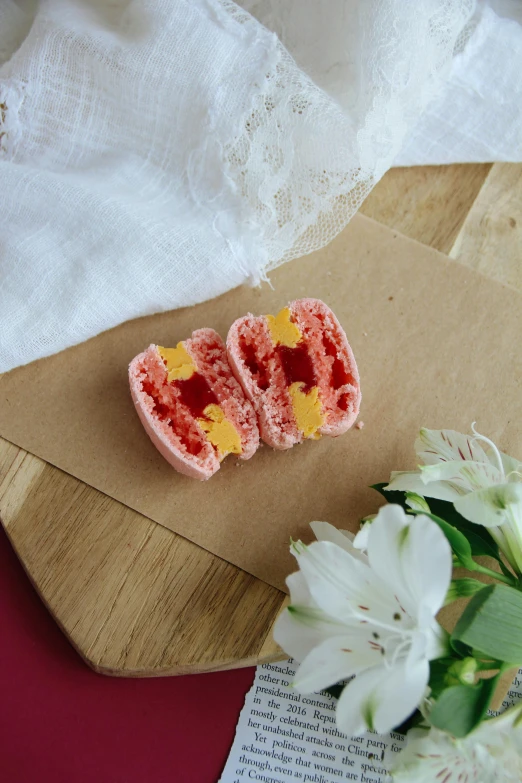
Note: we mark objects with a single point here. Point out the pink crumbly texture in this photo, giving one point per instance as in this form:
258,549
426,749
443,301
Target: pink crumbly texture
259,370
258,367
210,357
171,425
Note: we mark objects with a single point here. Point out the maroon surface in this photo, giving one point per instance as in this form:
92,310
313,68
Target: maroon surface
61,722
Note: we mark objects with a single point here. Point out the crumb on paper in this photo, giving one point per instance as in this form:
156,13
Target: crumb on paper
365,334
359,425
390,299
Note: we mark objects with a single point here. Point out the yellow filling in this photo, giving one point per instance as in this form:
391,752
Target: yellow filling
220,431
282,330
180,366
307,410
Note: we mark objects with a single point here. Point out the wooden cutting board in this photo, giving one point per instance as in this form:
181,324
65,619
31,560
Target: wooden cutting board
138,600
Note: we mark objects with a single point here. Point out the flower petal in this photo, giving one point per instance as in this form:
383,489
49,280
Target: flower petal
508,722
434,756
512,467
348,589
323,531
436,642
385,538
468,476
493,506
336,659
488,755
382,698
427,560
299,592
360,541
410,481
299,629
433,446
337,581
414,557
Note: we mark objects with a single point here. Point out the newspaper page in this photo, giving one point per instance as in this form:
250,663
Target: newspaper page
283,736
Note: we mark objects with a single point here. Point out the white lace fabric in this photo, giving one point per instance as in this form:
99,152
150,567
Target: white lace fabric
156,153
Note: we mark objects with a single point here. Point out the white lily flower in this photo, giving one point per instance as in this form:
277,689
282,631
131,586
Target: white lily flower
351,543
370,615
484,485
360,541
490,754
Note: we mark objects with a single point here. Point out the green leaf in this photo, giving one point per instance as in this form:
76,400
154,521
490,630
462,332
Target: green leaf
480,540
438,675
392,496
463,588
492,623
460,709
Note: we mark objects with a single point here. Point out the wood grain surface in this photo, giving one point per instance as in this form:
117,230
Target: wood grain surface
138,600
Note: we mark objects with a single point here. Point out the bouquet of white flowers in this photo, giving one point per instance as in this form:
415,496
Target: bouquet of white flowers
364,609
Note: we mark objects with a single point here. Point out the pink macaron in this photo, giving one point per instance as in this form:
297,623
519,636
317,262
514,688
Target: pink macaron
298,371
191,405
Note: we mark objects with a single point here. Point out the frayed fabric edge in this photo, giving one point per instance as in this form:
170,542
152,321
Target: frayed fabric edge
11,99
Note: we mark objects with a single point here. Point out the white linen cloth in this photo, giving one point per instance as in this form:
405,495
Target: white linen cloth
156,153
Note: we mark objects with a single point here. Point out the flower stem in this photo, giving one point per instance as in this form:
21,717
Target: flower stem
511,581
488,666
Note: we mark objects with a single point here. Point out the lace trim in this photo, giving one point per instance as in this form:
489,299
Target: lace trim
300,164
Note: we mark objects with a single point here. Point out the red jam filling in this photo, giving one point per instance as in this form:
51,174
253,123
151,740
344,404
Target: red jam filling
196,394
250,360
340,376
297,365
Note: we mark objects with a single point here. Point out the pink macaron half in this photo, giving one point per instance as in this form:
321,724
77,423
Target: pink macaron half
298,371
191,405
